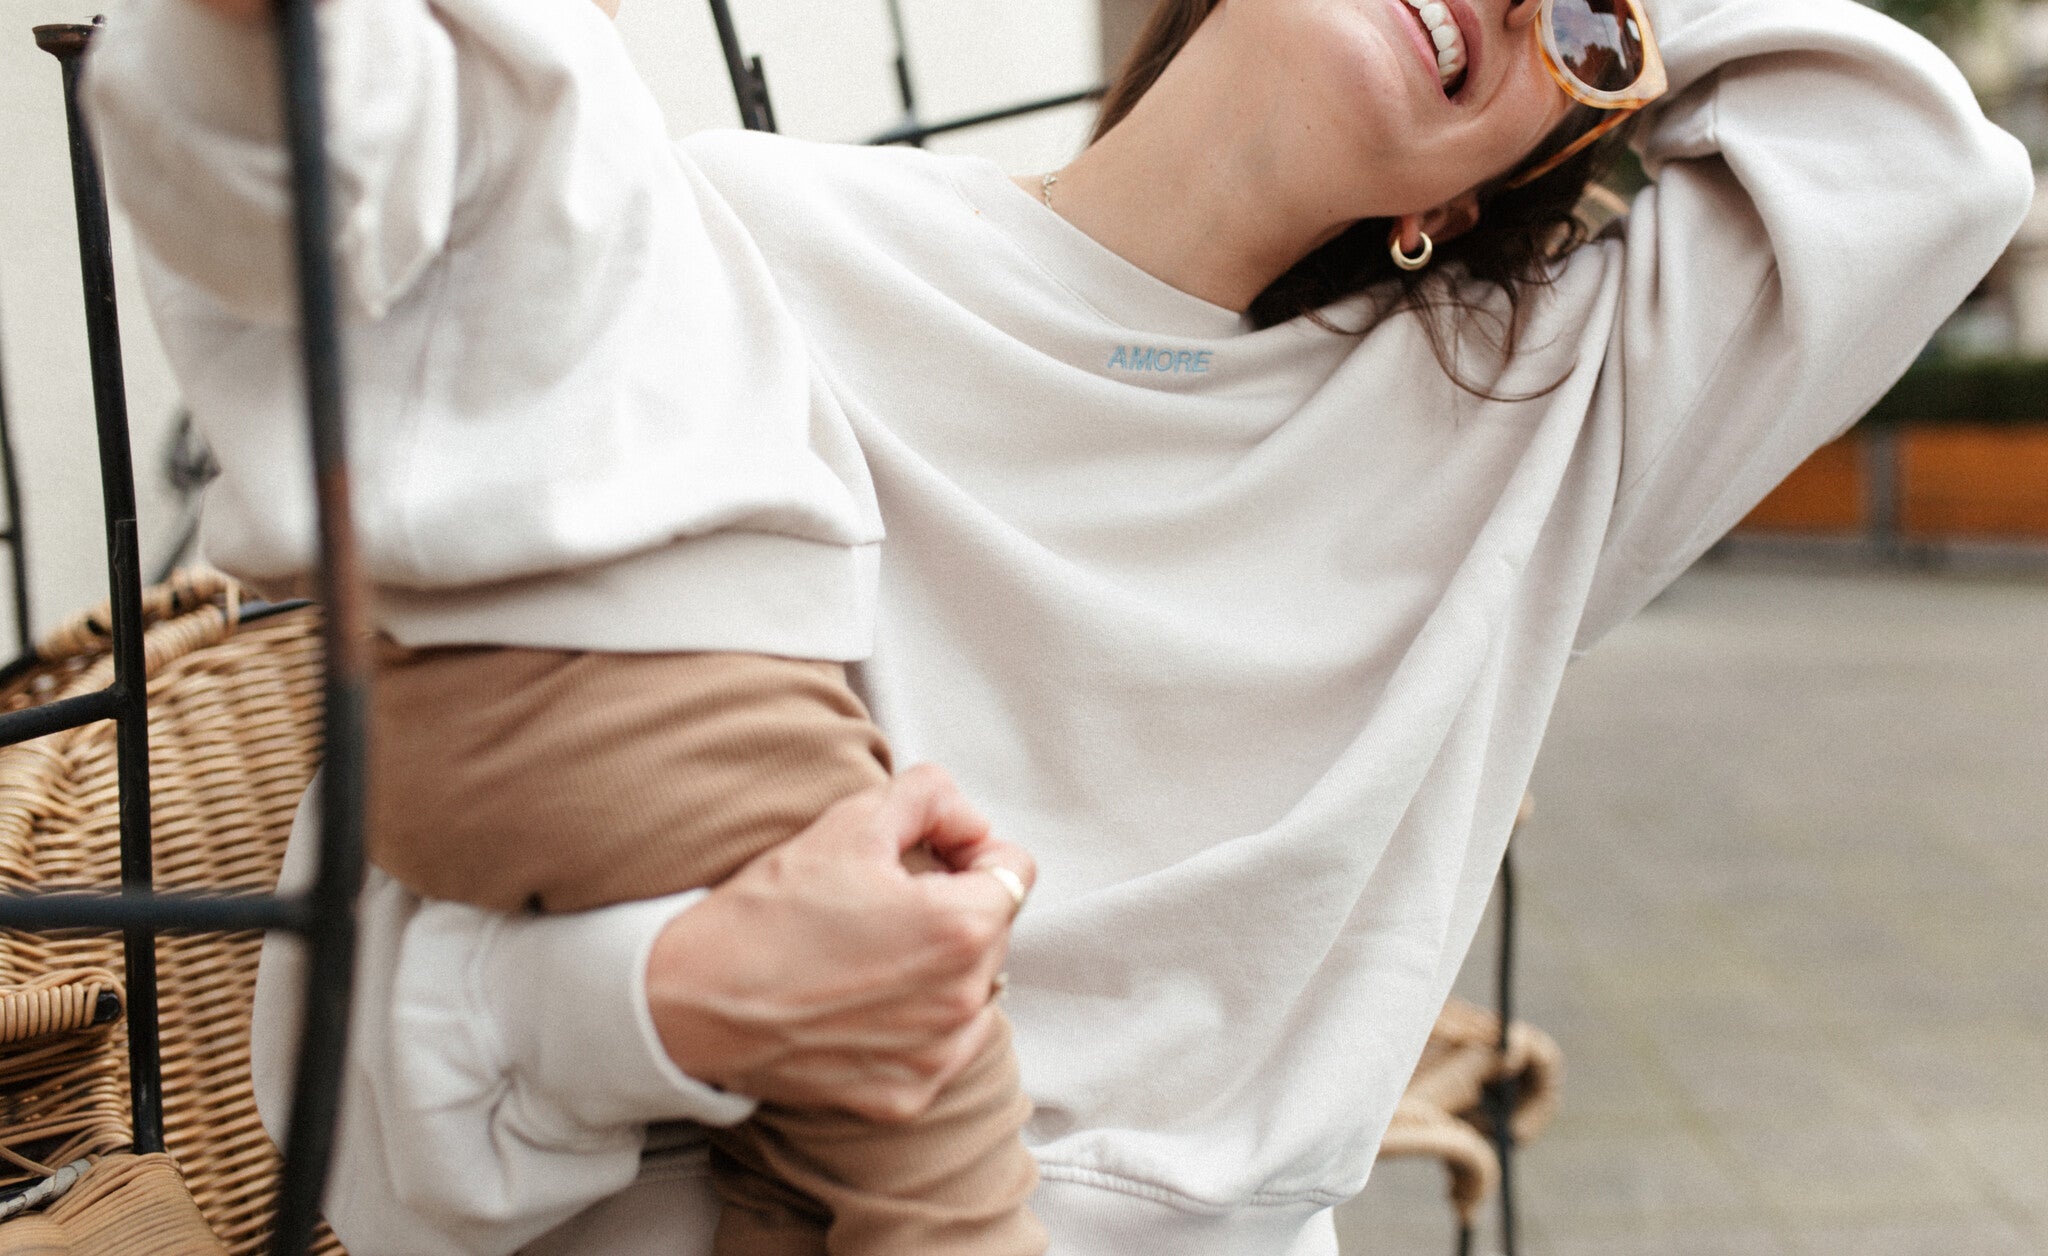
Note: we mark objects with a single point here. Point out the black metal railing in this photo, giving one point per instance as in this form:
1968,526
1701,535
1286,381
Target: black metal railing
14,536
757,110
324,915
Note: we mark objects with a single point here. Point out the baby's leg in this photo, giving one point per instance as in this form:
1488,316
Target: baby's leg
511,778
516,778
951,1183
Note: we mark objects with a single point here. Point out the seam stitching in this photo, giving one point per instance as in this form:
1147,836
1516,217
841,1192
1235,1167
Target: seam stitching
1162,1194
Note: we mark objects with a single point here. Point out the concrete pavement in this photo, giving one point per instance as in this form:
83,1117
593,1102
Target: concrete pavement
1786,908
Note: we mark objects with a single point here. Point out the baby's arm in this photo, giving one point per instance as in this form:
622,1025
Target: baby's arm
184,95
564,350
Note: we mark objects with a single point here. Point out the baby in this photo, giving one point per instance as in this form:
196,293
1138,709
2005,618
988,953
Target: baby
561,780
622,536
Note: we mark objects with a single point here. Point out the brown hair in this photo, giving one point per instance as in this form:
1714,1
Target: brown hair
1520,234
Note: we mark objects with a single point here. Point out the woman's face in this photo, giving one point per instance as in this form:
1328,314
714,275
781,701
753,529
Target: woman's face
1369,91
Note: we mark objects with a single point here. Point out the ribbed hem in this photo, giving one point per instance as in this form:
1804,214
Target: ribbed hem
1091,1214
742,591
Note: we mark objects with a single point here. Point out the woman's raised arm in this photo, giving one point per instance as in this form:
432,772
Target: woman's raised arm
1826,192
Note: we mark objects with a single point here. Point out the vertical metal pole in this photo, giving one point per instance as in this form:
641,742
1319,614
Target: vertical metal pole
330,938
749,84
1881,491
764,107
1500,1095
906,91
16,534
117,488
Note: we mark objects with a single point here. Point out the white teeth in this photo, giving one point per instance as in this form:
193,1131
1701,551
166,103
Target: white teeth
1444,33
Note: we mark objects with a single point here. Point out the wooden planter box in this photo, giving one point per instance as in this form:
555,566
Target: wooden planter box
1925,482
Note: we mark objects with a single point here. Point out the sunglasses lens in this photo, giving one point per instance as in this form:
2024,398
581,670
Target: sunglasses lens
1598,42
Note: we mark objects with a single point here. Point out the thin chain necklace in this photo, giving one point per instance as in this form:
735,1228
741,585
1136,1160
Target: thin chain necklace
1045,188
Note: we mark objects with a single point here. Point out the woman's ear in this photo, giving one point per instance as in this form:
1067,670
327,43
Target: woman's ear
1447,221
1453,218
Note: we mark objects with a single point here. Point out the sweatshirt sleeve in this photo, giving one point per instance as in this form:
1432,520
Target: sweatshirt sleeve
186,116
501,1071
1826,190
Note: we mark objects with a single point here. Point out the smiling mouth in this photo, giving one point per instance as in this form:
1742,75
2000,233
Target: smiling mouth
1442,31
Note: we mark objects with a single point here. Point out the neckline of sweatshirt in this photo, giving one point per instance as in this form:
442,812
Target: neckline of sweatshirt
1100,278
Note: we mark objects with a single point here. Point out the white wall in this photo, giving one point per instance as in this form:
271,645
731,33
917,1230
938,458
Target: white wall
829,67
42,340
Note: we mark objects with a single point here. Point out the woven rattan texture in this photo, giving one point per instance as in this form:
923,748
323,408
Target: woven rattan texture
234,737
58,1003
127,1206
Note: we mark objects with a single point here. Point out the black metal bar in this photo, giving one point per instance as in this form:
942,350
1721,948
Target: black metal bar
916,133
764,105
117,488
16,536
1464,1238
1502,1094
54,717
188,913
906,89
749,84
254,611
21,665
331,933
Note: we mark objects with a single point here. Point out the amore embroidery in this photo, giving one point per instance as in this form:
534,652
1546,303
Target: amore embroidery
1163,361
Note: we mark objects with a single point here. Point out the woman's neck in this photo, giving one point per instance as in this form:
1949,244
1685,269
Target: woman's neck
1189,186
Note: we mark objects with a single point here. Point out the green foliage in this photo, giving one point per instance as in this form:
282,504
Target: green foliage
1971,390
1939,20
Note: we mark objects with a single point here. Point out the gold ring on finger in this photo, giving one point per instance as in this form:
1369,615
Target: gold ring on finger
1013,883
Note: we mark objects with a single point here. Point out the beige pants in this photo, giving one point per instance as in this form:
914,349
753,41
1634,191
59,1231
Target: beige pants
558,781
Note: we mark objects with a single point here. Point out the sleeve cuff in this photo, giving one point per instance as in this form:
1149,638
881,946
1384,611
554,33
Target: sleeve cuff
592,1038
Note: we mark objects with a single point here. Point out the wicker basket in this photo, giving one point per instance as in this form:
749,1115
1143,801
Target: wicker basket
1442,1116
234,730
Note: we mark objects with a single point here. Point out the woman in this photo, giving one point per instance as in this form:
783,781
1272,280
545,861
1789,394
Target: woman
1231,569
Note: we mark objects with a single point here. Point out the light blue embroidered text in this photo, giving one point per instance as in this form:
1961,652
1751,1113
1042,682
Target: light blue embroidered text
1162,361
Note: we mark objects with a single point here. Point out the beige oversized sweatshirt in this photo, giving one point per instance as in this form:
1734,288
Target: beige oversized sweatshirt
1250,636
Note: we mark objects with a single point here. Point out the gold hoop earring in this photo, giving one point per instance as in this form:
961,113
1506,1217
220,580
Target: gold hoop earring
1405,262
